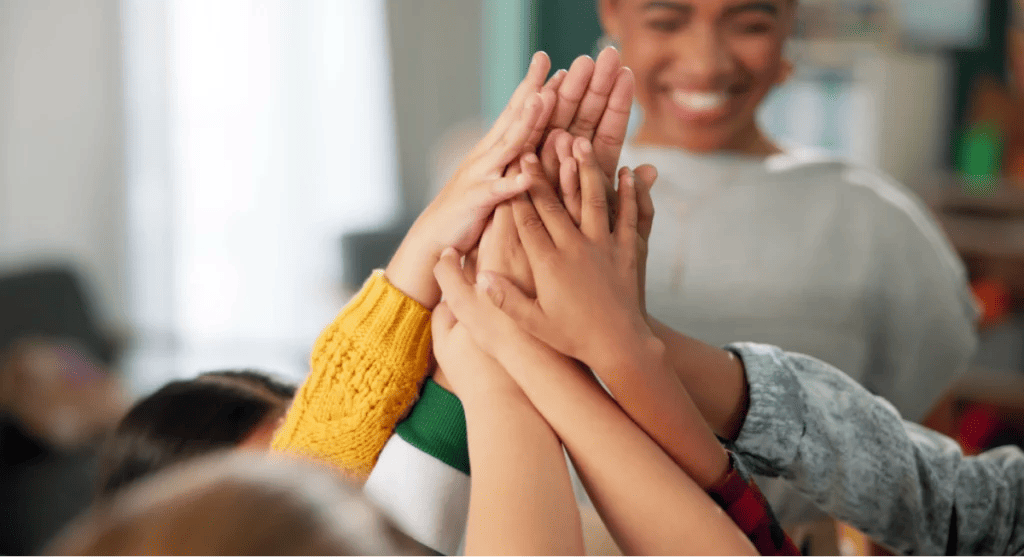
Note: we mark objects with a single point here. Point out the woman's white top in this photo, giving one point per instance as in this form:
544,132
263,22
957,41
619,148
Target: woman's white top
817,256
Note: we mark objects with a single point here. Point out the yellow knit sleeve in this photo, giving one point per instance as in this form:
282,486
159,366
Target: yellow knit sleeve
366,370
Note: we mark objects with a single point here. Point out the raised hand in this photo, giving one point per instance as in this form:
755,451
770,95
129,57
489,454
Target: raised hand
456,217
588,297
593,102
569,186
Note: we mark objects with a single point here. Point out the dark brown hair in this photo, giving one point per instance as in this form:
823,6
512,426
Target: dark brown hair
187,418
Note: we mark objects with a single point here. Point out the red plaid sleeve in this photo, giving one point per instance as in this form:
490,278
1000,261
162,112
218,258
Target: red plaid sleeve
747,507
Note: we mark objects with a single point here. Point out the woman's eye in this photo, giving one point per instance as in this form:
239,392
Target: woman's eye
753,27
665,25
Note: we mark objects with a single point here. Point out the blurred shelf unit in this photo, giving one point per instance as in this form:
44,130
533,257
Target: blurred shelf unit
865,101
986,225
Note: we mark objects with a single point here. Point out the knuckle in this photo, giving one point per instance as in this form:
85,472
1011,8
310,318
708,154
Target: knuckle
609,139
597,200
549,205
531,221
583,122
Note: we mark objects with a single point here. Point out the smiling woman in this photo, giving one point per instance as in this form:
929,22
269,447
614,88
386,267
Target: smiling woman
757,242
702,68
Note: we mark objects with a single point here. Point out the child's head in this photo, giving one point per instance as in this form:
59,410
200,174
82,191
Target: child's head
236,504
702,67
183,419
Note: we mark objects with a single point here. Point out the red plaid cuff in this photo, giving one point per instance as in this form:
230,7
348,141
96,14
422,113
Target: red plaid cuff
747,507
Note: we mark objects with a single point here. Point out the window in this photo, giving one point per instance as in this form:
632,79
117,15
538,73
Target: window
259,132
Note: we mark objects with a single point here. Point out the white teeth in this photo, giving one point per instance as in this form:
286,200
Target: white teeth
699,101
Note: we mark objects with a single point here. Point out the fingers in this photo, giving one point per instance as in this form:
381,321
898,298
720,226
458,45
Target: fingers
482,200
594,216
611,131
511,144
549,159
506,296
645,176
571,92
626,221
569,182
531,166
594,101
556,219
458,290
549,96
540,65
537,243
442,320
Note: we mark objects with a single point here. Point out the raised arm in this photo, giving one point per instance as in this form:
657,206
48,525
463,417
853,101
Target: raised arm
367,366
649,504
904,485
521,498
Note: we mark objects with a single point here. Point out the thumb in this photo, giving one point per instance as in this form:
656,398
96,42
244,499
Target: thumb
442,320
510,299
645,176
486,196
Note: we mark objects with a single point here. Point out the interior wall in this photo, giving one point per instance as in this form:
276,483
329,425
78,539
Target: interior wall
436,58
61,177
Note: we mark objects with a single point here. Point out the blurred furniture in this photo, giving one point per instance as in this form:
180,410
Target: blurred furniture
57,397
986,229
51,303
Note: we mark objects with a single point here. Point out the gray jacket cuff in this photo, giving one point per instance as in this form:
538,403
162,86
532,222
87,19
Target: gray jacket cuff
769,439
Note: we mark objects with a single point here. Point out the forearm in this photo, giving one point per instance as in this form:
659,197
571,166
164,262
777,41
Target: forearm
638,374
649,504
411,267
899,482
712,377
365,374
521,499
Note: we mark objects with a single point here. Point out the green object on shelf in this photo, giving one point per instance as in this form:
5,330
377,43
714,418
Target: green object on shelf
979,157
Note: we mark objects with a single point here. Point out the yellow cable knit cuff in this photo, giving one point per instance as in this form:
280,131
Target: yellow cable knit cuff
366,371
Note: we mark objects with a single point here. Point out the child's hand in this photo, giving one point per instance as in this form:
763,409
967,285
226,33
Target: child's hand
458,214
468,371
588,303
569,182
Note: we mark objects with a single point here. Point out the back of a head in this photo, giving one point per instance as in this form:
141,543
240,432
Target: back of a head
236,504
184,419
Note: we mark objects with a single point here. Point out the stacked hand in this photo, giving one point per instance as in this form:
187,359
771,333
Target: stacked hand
548,271
580,128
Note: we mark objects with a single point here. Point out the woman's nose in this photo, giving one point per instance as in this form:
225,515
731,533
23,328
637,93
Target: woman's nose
703,59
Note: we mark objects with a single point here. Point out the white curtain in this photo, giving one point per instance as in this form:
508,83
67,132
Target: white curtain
259,132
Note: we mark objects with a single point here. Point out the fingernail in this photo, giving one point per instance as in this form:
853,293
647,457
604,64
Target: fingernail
585,146
531,158
484,281
448,252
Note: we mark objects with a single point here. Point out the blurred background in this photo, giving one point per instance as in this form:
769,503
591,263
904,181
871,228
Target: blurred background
192,185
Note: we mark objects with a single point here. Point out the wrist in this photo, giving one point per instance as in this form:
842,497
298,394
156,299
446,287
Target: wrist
641,351
484,394
411,270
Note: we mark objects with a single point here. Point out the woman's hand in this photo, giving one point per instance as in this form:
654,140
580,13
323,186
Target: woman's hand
593,102
458,214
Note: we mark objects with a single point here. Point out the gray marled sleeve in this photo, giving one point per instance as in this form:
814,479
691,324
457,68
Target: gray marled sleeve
852,453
